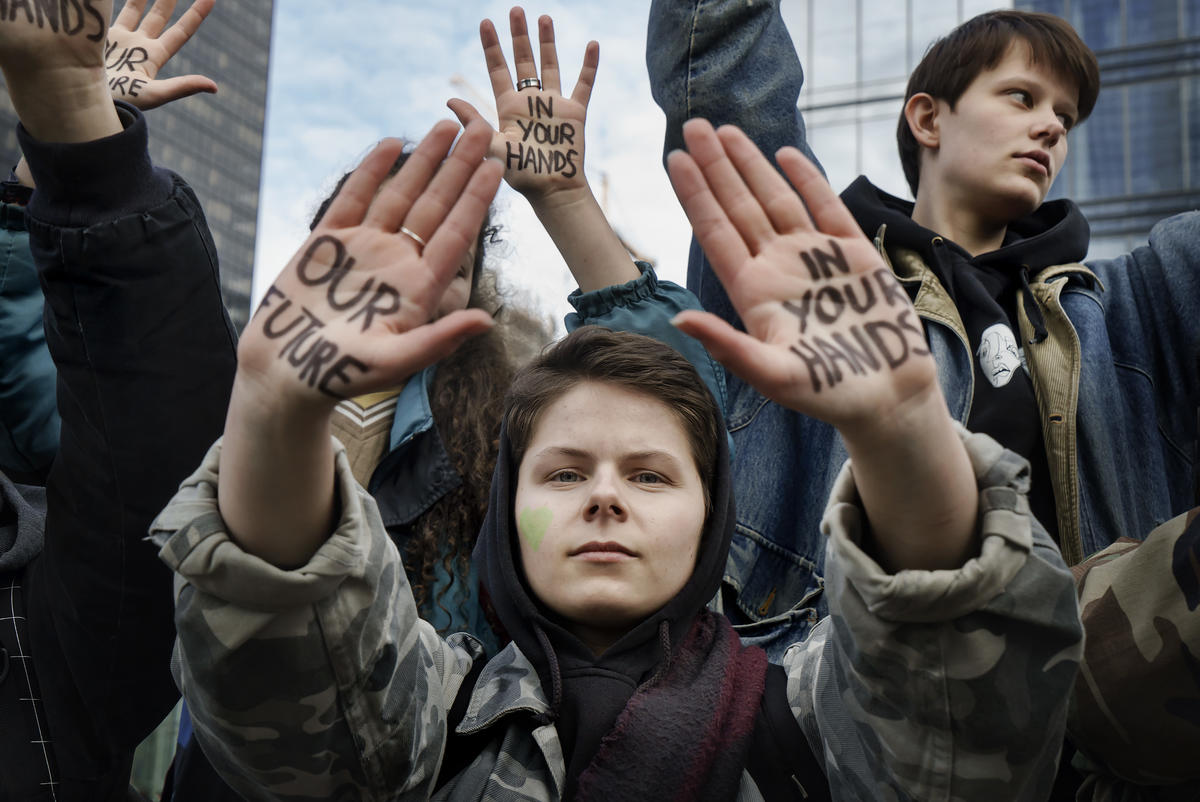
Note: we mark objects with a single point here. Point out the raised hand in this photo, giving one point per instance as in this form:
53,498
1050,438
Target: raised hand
354,310
540,138
829,330
138,48
831,334
52,57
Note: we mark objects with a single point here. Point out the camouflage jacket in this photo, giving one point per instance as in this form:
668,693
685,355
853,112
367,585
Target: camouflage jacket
323,683
1135,712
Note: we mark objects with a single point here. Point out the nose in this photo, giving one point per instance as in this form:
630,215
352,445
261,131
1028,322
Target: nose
605,500
1049,128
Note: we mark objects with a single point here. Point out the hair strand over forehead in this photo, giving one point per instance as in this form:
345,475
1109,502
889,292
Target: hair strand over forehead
953,62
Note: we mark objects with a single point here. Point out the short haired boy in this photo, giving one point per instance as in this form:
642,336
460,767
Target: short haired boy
1089,371
310,675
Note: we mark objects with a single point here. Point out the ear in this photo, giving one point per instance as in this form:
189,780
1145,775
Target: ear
921,113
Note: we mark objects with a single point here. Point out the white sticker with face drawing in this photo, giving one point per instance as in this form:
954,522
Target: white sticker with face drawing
999,356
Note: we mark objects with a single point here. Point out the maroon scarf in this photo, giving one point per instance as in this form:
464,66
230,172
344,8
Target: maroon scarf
684,735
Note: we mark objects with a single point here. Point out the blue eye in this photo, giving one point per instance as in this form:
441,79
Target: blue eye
565,476
1025,98
647,478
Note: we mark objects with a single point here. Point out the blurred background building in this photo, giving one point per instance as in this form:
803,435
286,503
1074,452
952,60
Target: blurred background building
1136,159
215,141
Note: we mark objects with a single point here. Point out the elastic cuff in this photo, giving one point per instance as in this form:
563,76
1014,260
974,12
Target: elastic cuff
599,302
85,183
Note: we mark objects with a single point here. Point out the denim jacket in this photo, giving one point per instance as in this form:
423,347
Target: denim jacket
1116,380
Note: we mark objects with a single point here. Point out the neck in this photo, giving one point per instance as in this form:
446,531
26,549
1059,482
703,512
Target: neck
958,224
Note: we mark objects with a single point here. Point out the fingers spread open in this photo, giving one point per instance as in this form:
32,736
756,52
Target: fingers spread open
726,184
131,12
827,209
433,204
356,195
523,61
460,228
587,74
401,192
493,55
778,200
178,34
721,241
549,55
156,18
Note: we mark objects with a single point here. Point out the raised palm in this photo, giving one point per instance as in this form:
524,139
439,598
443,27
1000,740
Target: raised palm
139,46
540,136
829,331
354,310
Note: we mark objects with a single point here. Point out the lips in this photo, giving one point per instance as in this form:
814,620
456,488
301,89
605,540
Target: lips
596,547
1039,156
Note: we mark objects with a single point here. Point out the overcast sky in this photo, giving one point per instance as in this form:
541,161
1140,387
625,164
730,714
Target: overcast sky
340,81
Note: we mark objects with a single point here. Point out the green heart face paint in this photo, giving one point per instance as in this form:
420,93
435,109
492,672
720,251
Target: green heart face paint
532,525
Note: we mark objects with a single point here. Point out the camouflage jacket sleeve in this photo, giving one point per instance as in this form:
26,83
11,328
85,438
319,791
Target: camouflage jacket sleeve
1135,713
942,685
316,683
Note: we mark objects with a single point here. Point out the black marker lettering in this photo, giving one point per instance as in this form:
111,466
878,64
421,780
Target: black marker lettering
269,324
385,301
101,22
832,353
801,310
893,293
852,298
857,356
331,291
834,298
876,329
21,4
525,129
47,10
339,256
294,343
904,322
812,361
323,351
508,160
543,105
338,372
571,154
567,133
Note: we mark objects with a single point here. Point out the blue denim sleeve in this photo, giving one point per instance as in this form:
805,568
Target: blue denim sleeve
646,306
29,421
730,62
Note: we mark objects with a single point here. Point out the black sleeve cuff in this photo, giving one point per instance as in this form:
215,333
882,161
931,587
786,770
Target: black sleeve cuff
94,182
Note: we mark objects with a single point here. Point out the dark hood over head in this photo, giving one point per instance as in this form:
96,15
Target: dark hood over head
1055,233
586,692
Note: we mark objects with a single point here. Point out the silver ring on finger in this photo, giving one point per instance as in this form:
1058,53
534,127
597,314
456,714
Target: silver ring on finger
529,83
414,236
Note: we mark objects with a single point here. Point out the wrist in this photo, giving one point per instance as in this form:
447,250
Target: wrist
561,199
66,108
271,393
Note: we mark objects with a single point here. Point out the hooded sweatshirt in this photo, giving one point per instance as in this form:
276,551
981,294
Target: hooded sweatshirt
986,290
648,669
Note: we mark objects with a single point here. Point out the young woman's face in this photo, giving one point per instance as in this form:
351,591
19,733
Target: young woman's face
609,509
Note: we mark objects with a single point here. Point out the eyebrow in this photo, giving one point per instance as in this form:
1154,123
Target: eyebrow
578,453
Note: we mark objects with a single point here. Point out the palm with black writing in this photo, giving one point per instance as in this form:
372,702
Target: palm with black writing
830,332
139,47
540,136
354,311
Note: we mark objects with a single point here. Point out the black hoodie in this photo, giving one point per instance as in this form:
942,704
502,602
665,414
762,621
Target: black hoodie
588,693
986,290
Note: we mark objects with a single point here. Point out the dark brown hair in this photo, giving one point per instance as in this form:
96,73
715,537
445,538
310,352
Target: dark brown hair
630,361
980,43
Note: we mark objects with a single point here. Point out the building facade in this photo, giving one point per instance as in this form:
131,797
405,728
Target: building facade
1135,161
214,141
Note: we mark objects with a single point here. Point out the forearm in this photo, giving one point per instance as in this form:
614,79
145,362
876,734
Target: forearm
277,490
916,485
581,232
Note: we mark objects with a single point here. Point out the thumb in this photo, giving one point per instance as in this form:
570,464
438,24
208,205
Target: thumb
161,92
408,352
748,358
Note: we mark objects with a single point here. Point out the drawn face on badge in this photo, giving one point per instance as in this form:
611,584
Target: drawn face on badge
999,358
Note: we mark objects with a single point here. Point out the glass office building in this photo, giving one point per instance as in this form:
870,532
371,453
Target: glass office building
1135,161
215,141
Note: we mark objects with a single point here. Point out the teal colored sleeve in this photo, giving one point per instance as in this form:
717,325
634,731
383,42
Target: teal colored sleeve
646,306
